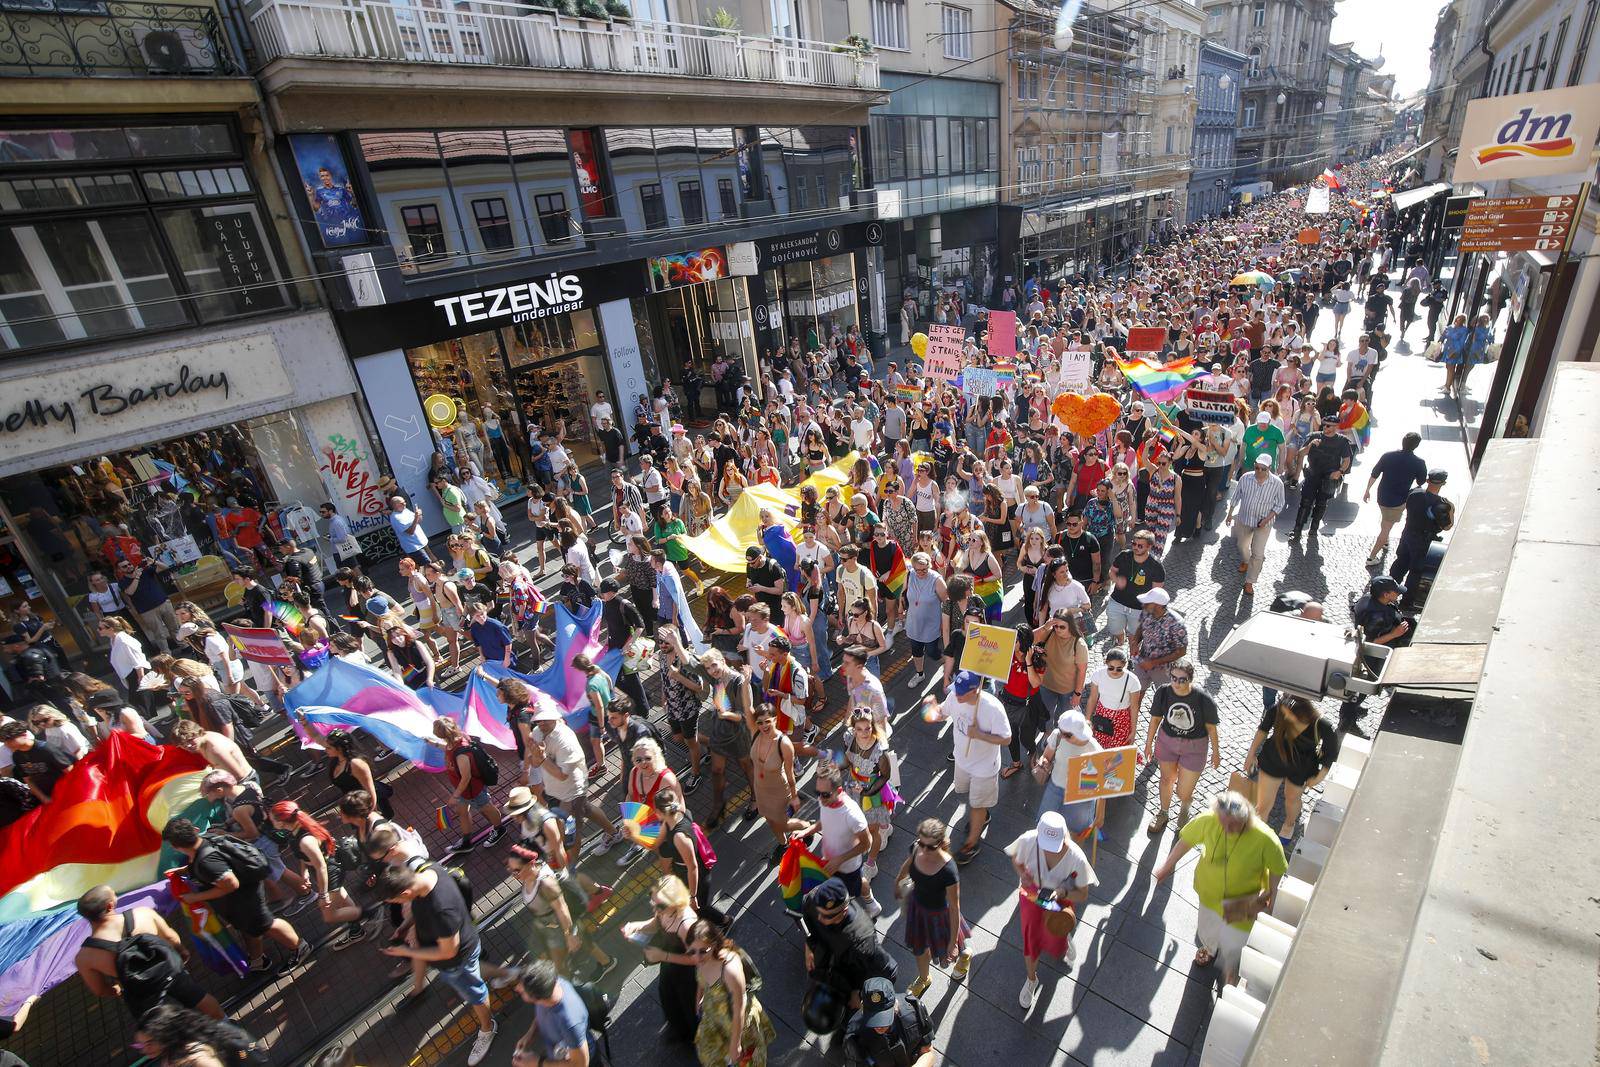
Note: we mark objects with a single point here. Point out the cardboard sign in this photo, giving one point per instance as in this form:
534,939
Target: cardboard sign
942,361
1272,251
980,381
989,650
1076,368
258,644
1002,339
1205,405
1097,775
1309,236
1147,338
1317,200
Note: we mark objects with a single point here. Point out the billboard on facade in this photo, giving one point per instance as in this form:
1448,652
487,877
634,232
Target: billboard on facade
1528,135
329,193
686,268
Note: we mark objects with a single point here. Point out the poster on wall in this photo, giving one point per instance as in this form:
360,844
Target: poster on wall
344,460
686,268
591,180
330,194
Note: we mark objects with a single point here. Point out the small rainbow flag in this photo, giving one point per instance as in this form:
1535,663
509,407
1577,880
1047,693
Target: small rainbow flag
642,820
895,580
991,593
1159,383
874,466
289,617
441,818
799,872
888,797
213,941
1353,418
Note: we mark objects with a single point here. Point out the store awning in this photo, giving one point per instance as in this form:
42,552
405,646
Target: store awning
1413,197
1423,147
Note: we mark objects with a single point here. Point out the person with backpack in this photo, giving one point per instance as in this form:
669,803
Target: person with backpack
683,850
562,1020
443,936
246,819
324,863
889,1030
471,770
233,874
136,956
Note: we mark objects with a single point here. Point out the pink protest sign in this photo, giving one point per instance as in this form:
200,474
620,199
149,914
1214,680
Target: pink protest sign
1003,334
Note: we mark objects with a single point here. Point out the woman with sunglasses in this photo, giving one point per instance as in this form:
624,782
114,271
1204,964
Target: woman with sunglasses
860,628
868,769
1112,695
1183,725
665,939
929,884
555,931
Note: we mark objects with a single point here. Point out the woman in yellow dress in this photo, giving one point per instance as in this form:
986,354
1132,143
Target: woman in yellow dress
734,1028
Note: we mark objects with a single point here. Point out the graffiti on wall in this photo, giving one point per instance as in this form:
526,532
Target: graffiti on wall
350,473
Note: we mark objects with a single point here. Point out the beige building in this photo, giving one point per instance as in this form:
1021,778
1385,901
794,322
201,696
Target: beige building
1168,104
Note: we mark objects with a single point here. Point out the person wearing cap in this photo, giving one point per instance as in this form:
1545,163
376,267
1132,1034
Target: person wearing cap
1262,438
889,1030
1050,867
1134,572
1236,878
1328,455
979,730
1253,507
1160,639
1427,516
1183,725
841,942
1395,474
1071,736
1378,616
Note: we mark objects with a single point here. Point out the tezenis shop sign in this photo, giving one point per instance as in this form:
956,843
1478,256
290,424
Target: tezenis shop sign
104,399
556,295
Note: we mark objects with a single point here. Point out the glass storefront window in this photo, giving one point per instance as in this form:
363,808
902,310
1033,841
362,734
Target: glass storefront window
224,254
818,298
471,371
544,174
171,496
479,167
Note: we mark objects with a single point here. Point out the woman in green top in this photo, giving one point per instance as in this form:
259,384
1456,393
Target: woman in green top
667,533
1236,879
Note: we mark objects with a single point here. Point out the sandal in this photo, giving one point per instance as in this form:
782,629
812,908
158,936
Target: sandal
1203,958
1011,770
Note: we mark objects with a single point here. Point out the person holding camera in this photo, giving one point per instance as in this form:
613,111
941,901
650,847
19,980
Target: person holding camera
1054,879
1065,658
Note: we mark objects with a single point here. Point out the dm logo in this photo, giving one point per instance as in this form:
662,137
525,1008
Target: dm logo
1538,136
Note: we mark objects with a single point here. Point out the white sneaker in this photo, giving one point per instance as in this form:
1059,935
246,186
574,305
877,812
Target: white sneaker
874,909
1030,990
609,842
480,1045
917,680
629,856
869,870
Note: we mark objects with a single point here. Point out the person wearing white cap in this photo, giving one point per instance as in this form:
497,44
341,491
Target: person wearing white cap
1071,737
1051,868
1160,638
1236,879
1253,507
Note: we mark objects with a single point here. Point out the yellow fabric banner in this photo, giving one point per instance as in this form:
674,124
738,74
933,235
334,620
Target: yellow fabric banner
722,545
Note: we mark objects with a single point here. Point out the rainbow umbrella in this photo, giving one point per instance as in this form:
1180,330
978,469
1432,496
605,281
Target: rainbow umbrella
1259,278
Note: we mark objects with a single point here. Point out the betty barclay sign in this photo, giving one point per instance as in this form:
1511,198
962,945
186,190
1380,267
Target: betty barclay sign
66,411
1528,135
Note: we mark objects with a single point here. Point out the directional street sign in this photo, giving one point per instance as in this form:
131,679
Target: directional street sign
1522,223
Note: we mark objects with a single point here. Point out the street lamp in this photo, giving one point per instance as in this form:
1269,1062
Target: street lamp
1224,83
1281,99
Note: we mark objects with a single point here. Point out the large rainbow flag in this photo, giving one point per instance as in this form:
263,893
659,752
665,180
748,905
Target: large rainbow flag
102,826
1159,382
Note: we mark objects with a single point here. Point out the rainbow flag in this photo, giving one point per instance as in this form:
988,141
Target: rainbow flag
289,617
214,942
895,580
1159,383
874,466
887,797
991,592
909,393
1353,418
799,872
642,820
441,818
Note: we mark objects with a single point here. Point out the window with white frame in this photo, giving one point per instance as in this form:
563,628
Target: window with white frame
1249,114
957,29
889,28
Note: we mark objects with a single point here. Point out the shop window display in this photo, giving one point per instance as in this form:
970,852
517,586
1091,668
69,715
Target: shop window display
199,504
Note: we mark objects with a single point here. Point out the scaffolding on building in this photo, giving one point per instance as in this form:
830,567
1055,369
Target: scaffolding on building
1081,130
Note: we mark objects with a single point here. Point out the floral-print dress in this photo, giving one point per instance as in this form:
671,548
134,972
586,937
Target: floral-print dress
1161,508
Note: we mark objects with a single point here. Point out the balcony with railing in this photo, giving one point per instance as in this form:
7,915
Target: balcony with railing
487,33
112,38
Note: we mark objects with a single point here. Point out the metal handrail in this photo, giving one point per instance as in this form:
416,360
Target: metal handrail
491,33
118,38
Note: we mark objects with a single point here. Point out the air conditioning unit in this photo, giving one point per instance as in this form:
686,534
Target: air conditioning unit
176,49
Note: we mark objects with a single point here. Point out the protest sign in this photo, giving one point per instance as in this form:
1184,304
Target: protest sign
1097,775
1076,367
943,358
980,381
1146,338
1317,200
258,644
989,650
1002,339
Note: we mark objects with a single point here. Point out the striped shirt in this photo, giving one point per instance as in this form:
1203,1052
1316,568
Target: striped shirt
1254,499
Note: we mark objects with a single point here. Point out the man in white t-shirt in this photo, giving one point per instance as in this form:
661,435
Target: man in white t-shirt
845,837
601,408
566,777
651,482
979,729
855,583
810,548
861,430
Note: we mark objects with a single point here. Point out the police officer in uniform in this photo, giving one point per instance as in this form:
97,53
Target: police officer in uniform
1328,456
888,1031
1378,615
1427,516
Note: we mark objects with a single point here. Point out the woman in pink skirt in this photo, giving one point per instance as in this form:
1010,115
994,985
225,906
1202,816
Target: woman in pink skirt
1052,868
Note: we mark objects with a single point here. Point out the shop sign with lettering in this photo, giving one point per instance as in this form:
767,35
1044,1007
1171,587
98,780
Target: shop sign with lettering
59,412
818,244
